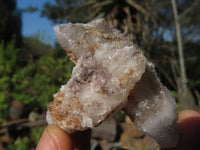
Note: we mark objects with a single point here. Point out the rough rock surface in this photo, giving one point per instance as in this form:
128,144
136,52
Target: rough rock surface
108,66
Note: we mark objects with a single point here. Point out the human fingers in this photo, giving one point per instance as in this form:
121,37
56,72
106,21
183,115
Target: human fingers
190,130
54,138
189,126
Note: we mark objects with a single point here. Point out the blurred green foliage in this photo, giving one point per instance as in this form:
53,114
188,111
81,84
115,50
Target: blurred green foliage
120,116
26,143
30,72
7,64
31,79
36,134
20,144
175,95
34,81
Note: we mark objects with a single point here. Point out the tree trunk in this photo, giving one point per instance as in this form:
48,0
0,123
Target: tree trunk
186,100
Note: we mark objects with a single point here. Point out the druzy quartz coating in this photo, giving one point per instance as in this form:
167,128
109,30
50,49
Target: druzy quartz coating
111,74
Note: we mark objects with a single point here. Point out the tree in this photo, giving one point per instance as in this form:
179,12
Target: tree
126,15
10,23
185,96
147,23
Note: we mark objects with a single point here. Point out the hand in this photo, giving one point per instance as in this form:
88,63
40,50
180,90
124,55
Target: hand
189,124
54,138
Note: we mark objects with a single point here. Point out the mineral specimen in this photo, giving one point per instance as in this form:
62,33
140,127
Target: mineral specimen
108,66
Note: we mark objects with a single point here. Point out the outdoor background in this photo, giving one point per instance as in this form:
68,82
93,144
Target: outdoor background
33,66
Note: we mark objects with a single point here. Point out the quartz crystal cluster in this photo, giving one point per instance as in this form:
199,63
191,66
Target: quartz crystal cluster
111,74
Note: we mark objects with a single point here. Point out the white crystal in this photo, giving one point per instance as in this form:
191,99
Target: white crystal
108,66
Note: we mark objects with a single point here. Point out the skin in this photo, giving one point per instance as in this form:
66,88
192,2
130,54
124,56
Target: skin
54,138
189,124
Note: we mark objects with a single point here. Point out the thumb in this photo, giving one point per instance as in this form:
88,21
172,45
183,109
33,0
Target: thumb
54,138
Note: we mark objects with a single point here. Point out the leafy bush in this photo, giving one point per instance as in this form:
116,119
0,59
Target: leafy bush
7,65
31,78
